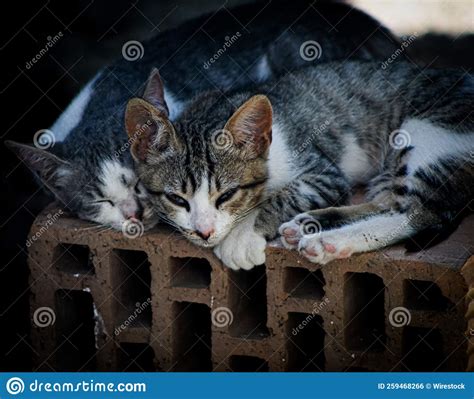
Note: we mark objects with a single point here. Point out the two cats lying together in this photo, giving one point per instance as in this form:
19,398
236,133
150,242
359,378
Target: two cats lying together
269,139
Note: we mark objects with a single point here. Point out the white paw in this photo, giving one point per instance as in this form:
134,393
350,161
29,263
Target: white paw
243,248
290,234
301,225
326,246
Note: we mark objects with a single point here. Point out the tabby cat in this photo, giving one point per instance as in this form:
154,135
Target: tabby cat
235,166
89,168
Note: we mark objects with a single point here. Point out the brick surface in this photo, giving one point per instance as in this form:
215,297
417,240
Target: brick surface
156,302
468,273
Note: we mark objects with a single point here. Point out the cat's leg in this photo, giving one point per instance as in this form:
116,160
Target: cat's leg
327,190
244,247
429,197
368,234
319,220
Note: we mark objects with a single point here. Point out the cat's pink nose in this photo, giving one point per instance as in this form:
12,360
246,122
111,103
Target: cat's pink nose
205,234
131,215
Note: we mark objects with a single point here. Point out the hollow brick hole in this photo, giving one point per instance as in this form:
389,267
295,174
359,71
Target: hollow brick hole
424,295
422,349
364,312
136,357
191,337
302,283
190,272
75,339
243,363
131,287
248,303
305,342
73,259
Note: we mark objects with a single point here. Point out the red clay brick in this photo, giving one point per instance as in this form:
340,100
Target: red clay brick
344,305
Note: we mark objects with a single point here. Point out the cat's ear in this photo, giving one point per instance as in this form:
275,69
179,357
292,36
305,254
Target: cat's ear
148,130
155,92
43,163
251,126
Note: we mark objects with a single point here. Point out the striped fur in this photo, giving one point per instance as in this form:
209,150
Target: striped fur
332,127
90,133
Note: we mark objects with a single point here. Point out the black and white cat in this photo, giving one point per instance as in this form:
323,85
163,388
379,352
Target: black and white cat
89,168
235,166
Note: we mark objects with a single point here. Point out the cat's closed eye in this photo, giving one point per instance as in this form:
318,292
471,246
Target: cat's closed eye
177,200
226,196
110,202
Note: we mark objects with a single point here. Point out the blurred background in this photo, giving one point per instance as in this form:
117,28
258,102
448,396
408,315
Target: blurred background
88,34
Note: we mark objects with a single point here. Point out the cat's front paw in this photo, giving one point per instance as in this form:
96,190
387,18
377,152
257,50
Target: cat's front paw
243,248
325,247
294,230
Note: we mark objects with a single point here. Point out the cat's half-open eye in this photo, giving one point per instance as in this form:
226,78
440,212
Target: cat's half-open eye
226,196
110,202
177,200
137,188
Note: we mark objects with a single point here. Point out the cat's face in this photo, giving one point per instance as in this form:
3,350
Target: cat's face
108,193
109,196
203,176
204,196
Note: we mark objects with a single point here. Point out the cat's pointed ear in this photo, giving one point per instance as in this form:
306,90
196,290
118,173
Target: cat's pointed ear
148,130
155,92
251,126
44,164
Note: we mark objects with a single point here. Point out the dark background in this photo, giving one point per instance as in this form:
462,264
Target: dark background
93,35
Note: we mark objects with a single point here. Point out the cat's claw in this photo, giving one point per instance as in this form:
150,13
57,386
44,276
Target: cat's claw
243,248
325,247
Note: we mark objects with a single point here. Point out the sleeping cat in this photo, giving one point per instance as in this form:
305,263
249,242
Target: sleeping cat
234,166
89,168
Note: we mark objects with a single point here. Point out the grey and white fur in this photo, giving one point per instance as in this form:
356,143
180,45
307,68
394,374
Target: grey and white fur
89,168
234,167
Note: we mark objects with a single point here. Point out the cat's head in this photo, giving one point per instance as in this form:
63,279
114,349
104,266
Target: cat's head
106,192
95,183
206,171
